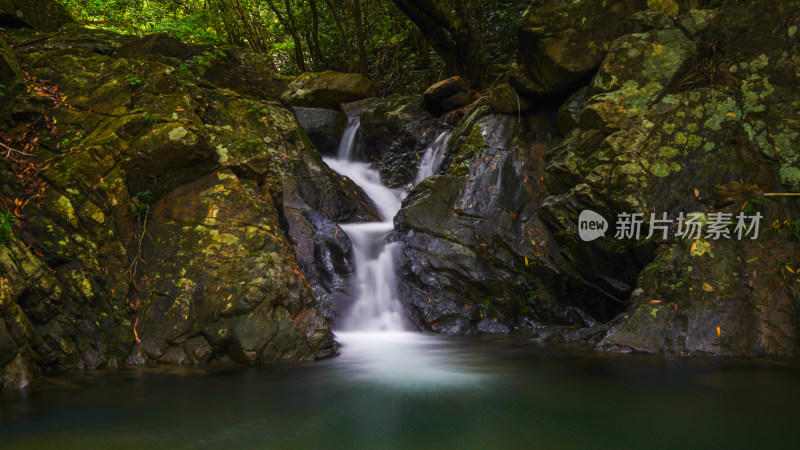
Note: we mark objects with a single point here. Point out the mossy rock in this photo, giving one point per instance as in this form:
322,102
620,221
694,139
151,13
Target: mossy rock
44,15
560,42
329,89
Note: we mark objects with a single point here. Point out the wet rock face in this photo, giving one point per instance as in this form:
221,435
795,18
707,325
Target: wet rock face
323,126
474,247
395,131
182,224
329,89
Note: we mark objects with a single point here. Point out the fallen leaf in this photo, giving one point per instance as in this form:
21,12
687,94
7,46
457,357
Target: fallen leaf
696,193
707,287
655,301
718,331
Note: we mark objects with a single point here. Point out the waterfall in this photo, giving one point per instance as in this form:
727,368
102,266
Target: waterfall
377,307
432,159
347,146
378,345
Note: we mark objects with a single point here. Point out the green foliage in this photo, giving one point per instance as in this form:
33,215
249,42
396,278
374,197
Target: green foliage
7,220
487,308
142,203
751,206
534,296
786,227
2,88
526,306
655,263
152,119
134,81
195,67
397,56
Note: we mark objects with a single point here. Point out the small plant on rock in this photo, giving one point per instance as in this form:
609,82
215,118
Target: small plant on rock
143,203
6,222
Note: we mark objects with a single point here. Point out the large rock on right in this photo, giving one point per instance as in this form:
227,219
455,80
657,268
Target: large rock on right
665,127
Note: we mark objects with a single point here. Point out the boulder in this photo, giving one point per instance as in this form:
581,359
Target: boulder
395,131
570,110
219,234
227,66
505,100
447,95
43,15
323,126
562,42
154,45
329,89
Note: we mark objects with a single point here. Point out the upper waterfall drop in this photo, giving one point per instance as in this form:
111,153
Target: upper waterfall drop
433,157
347,146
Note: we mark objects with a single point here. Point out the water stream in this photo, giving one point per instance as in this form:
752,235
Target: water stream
374,333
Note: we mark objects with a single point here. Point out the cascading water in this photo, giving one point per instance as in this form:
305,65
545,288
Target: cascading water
347,145
375,334
377,307
432,159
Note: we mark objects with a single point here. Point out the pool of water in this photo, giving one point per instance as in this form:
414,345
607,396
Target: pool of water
403,390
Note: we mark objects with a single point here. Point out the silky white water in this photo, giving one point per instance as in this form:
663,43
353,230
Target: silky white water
432,159
377,341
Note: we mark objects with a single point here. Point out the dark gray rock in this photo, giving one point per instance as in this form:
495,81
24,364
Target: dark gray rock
395,132
323,126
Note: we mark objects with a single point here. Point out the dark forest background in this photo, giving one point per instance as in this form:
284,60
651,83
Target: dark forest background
400,44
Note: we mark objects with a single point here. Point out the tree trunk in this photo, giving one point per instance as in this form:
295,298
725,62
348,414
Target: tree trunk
290,25
316,52
450,35
298,44
351,54
361,45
